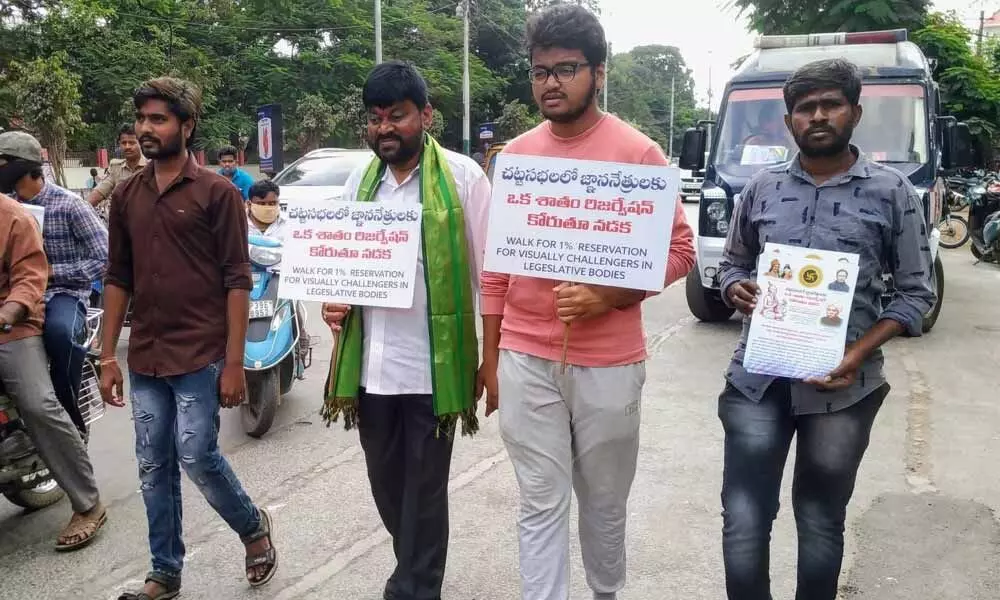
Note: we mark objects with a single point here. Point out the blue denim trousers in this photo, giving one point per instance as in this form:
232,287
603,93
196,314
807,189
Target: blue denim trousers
828,452
177,424
64,333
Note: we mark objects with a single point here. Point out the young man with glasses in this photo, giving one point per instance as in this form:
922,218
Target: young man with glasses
579,429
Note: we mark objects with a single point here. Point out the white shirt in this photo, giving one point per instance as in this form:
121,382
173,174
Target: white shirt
274,230
397,355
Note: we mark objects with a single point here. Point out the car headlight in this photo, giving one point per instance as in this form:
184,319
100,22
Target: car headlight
265,257
722,226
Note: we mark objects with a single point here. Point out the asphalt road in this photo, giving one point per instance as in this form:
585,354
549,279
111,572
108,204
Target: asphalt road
921,525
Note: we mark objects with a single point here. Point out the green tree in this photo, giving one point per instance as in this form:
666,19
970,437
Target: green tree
639,91
315,121
774,17
46,96
970,88
515,119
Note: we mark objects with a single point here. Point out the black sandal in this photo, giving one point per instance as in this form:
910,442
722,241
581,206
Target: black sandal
268,558
171,588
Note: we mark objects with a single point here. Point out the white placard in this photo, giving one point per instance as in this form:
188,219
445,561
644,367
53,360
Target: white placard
347,252
38,212
582,221
799,328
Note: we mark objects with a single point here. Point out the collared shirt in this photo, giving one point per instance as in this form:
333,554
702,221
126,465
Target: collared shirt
117,173
178,252
397,354
23,268
76,241
275,230
871,210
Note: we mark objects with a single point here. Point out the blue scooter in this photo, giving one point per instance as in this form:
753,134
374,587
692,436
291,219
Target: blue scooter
278,350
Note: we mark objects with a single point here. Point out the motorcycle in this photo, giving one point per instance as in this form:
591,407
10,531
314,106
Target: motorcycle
984,221
24,478
278,350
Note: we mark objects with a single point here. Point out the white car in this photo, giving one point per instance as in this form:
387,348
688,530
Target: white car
320,174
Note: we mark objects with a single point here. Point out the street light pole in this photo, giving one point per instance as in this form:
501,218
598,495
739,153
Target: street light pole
466,93
378,32
671,151
607,77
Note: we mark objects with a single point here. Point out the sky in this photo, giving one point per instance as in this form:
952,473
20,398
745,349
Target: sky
710,36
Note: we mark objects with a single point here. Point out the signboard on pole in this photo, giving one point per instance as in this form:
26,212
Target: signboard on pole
270,136
487,132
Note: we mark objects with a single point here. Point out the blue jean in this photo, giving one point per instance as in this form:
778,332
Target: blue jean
828,452
177,424
64,333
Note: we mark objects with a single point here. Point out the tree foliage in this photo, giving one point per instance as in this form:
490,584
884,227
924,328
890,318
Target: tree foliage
970,83
515,119
773,17
245,53
639,84
46,98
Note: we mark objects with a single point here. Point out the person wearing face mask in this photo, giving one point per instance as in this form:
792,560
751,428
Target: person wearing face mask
228,169
264,214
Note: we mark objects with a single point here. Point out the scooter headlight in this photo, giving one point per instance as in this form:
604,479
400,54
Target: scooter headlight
978,190
265,257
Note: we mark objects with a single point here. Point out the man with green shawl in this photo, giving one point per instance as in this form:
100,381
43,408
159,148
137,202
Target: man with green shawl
408,377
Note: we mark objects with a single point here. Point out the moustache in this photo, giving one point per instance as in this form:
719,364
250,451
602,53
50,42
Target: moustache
389,138
553,97
147,138
821,129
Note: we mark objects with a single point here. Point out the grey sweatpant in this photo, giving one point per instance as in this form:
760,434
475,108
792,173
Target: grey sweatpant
24,370
564,431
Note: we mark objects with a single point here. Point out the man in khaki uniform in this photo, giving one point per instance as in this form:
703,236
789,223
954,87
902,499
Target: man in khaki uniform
133,163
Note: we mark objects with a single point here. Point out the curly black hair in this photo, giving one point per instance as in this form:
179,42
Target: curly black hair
829,74
568,26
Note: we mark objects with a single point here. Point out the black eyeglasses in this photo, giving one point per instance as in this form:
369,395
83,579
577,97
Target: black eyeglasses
563,72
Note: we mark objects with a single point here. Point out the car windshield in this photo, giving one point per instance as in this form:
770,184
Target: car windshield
893,128
332,170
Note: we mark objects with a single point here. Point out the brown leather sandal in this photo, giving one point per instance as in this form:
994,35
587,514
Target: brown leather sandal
81,525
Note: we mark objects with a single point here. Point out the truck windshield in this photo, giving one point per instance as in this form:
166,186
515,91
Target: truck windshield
753,135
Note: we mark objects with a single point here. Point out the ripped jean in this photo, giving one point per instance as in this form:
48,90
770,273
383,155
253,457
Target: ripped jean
177,424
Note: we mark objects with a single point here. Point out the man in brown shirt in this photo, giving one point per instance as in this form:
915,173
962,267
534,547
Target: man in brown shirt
24,372
100,197
178,246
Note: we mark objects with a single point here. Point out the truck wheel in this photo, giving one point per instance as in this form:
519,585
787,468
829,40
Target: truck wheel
705,304
41,496
932,316
263,393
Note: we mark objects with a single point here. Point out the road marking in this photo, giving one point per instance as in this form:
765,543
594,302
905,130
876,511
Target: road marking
376,536
918,428
656,341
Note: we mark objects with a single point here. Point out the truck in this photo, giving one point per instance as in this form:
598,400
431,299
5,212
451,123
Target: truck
903,126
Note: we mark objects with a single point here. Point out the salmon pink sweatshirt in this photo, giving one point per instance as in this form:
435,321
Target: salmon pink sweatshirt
528,304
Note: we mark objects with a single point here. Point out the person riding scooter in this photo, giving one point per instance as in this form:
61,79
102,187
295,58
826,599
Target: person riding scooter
24,373
76,244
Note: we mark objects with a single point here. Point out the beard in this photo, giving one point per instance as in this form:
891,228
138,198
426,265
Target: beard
573,112
405,150
837,144
162,149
